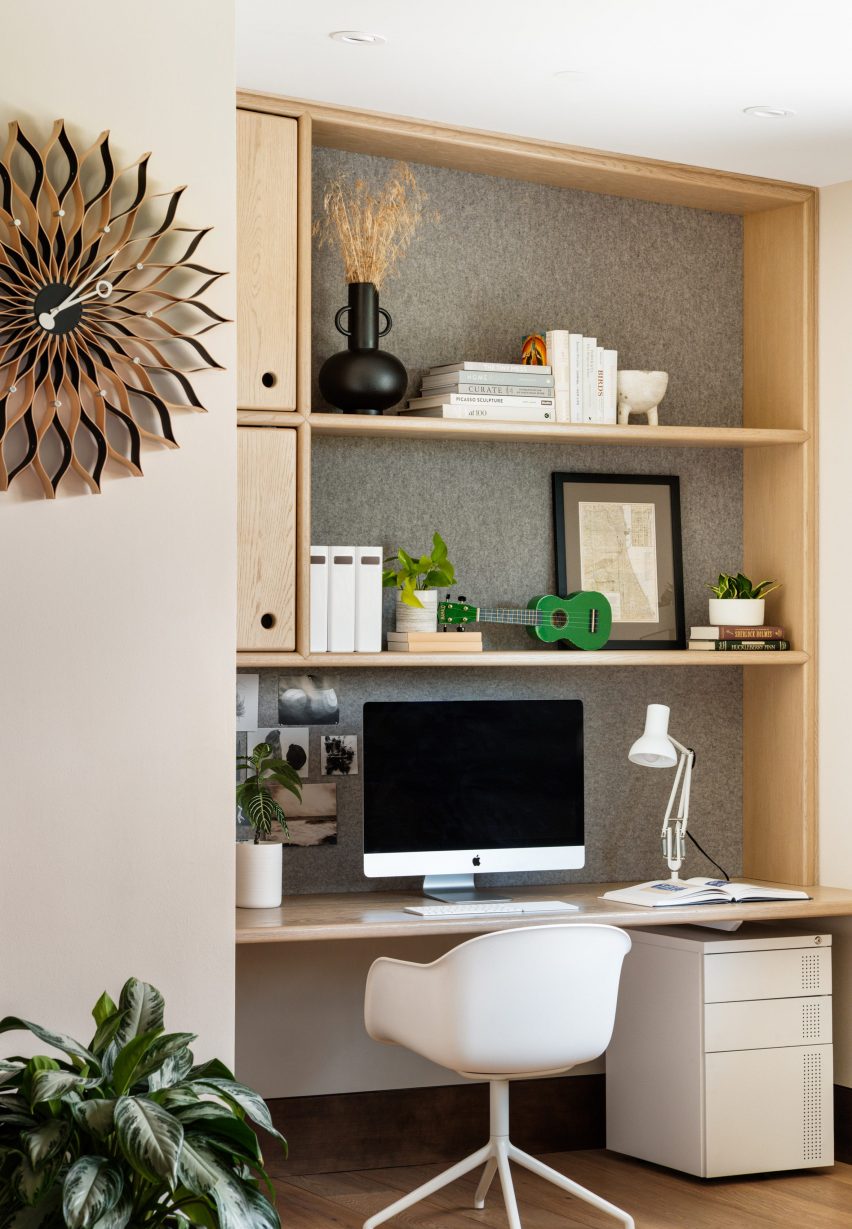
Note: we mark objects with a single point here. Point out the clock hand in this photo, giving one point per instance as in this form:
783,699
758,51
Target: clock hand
50,316
102,290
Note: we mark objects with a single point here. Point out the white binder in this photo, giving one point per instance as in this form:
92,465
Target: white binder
341,599
368,599
319,599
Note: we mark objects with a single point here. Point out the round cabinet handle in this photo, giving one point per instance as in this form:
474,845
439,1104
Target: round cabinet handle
268,620
269,379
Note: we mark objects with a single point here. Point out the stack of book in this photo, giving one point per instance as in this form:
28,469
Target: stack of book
435,642
584,376
732,639
513,392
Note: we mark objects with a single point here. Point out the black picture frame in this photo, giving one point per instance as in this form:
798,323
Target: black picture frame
665,628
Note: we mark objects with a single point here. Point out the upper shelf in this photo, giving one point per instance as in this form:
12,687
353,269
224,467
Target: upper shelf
546,658
546,433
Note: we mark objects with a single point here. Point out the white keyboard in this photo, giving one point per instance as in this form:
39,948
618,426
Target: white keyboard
475,908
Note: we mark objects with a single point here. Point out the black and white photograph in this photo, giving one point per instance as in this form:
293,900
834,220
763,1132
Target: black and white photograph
290,744
313,821
248,691
339,755
306,699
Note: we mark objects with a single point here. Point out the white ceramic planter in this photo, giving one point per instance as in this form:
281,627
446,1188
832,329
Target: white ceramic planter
736,611
414,619
258,875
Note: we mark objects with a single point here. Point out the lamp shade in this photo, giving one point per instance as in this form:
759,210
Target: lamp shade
654,749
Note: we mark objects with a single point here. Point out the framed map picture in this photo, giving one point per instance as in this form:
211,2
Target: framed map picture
619,534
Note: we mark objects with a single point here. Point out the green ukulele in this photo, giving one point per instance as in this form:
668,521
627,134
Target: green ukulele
584,618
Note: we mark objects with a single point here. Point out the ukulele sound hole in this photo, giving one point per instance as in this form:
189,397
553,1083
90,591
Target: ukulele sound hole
560,619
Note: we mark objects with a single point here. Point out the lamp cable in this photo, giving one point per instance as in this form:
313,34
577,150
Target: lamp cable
713,861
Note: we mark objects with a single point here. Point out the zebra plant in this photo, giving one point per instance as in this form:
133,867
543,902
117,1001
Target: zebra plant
254,797
129,1130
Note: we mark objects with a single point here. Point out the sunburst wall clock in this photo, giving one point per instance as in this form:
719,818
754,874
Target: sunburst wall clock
100,312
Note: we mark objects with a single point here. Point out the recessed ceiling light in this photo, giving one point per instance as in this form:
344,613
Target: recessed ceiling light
362,37
768,112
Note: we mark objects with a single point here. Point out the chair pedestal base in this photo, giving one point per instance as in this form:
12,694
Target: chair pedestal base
495,1156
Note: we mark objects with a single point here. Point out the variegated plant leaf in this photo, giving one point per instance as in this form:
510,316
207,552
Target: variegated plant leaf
242,1205
250,1102
46,1140
173,1071
165,1047
92,1186
128,1059
142,1007
149,1136
117,1217
32,1182
50,1085
96,1115
199,1169
103,1009
59,1041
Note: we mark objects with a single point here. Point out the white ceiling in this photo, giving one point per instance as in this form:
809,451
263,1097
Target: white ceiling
661,78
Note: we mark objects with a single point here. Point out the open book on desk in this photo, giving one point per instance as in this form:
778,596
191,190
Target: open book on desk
666,893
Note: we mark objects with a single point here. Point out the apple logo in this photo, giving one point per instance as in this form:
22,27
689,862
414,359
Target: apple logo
476,860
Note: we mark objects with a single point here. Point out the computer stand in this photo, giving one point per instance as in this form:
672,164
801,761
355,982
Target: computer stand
455,889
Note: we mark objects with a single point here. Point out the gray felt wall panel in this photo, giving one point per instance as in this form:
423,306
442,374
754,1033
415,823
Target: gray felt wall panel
661,284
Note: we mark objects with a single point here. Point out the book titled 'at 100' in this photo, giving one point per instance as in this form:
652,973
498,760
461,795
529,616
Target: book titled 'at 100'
740,646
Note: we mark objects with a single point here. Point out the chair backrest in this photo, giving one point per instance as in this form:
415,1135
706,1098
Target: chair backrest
538,998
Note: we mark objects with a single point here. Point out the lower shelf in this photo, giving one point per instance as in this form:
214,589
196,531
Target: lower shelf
531,658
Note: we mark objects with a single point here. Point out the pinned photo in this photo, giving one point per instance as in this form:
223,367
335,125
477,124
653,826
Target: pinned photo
313,821
306,700
339,755
248,692
289,744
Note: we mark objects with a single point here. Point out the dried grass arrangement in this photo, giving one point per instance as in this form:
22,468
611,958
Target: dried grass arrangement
373,230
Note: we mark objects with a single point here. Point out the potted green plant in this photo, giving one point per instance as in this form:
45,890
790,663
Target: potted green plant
736,601
417,580
129,1131
259,862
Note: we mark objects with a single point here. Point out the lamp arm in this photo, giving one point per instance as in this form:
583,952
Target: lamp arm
674,831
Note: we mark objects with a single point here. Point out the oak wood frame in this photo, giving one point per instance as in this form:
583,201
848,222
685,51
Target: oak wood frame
779,277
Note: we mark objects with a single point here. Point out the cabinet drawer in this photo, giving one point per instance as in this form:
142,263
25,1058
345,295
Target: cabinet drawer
788,973
766,1023
266,536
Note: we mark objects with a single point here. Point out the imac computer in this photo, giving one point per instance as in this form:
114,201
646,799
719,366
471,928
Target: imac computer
452,787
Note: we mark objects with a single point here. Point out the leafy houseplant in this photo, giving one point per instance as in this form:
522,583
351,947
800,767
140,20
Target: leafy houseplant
128,1131
736,600
259,862
417,579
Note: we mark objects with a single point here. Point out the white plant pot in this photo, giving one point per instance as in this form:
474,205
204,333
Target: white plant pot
736,611
415,619
258,875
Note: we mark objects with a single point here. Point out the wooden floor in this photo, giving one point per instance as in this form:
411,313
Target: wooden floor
657,1198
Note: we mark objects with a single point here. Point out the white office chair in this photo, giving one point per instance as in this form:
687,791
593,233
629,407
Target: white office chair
511,1005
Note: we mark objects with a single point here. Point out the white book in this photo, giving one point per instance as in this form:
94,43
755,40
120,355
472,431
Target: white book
666,893
425,403
341,599
319,599
368,599
489,380
487,390
521,367
590,347
559,356
575,377
610,374
598,388
496,413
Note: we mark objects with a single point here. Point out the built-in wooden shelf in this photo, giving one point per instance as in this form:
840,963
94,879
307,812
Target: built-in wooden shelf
269,418
546,433
530,657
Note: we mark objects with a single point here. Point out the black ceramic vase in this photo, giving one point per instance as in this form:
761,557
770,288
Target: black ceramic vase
363,379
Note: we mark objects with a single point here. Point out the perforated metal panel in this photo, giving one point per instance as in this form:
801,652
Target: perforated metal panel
811,971
812,1106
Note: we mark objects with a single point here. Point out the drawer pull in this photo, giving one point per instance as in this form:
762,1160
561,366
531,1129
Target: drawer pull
269,379
268,621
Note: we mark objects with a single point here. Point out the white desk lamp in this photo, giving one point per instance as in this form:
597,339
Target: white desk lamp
657,749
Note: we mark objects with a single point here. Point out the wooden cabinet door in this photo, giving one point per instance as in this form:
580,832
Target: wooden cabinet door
266,539
266,261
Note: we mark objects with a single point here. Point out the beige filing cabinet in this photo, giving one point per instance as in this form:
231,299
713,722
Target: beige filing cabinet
721,1057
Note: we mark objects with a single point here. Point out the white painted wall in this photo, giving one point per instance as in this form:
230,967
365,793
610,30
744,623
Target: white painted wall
117,622
835,509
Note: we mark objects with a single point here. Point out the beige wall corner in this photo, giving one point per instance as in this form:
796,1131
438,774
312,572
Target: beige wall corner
117,614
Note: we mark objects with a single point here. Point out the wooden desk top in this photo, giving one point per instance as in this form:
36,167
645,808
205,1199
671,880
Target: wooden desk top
379,915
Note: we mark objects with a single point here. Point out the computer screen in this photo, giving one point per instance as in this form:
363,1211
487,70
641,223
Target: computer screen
454,786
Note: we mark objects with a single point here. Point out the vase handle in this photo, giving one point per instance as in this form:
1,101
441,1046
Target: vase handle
338,317
384,332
